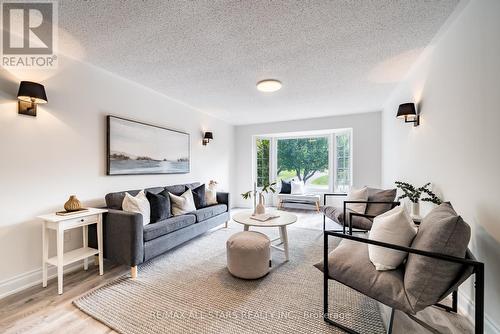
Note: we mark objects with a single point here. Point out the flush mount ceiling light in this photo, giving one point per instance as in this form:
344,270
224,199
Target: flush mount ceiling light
269,85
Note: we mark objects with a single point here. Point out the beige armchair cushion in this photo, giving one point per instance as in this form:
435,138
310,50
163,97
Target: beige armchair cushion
357,195
350,265
337,216
427,279
379,195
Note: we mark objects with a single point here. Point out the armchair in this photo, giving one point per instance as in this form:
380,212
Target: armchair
438,263
379,201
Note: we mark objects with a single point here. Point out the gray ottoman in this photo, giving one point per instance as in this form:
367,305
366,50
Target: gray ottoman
248,254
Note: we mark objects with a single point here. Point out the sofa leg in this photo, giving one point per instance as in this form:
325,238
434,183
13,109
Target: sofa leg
225,224
133,272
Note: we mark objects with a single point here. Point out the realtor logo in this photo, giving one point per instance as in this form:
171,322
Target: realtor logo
29,31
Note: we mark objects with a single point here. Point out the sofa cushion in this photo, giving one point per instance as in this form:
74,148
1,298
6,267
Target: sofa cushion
193,185
209,212
350,265
166,226
379,195
199,196
427,279
160,206
115,200
177,189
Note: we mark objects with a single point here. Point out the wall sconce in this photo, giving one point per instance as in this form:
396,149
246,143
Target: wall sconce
207,137
29,95
409,113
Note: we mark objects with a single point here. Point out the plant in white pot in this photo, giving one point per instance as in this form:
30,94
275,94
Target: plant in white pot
414,195
260,208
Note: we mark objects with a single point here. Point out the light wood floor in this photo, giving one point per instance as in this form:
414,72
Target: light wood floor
41,310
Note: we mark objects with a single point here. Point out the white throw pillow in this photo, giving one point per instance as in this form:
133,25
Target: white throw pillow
357,195
395,227
211,196
138,204
182,204
297,187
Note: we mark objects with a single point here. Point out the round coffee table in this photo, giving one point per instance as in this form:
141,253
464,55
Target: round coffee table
284,219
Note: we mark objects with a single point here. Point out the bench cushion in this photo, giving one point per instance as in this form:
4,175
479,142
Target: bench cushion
166,226
305,198
209,212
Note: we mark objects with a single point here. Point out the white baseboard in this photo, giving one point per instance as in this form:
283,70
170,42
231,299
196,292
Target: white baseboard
466,307
32,278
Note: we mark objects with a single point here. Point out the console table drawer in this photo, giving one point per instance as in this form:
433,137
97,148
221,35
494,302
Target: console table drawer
80,221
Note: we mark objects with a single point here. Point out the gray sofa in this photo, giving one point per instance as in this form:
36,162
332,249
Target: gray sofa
127,241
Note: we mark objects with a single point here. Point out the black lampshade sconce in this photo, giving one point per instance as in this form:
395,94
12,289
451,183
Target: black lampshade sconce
409,113
207,137
29,95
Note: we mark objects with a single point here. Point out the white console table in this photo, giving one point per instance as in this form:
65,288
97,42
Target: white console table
62,223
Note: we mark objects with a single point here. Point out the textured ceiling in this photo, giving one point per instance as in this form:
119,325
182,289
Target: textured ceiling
333,57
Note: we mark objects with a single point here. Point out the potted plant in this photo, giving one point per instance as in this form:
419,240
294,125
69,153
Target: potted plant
260,208
414,195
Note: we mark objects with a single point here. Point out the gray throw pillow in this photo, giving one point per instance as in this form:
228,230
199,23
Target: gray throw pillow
427,279
378,195
160,206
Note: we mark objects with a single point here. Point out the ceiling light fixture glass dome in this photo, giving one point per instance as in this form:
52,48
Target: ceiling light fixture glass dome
269,85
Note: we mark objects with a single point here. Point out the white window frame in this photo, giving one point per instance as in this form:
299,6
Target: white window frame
332,156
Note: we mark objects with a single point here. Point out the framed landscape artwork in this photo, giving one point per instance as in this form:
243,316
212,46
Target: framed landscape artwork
139,148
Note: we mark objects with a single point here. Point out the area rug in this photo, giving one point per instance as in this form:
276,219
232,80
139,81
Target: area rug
189,290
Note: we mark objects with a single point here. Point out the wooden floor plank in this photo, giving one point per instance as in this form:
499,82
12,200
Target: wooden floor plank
42,310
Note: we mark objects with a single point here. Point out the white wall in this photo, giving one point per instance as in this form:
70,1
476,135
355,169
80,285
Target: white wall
62,151
366,147
457,145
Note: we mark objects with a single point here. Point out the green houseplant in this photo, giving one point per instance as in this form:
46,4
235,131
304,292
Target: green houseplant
414,194
260,208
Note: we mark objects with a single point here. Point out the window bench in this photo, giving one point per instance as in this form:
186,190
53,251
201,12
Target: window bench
303,201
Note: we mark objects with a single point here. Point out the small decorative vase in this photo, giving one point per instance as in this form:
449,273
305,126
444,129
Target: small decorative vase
415,209
260,209
73,204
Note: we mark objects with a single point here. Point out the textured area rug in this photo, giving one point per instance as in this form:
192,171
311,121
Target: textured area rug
189,290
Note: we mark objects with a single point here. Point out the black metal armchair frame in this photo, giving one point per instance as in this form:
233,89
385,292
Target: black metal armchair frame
352,214
478,270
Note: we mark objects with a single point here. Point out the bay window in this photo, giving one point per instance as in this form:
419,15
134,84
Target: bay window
322,161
